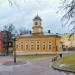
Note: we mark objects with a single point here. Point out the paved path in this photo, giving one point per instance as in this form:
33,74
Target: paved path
4,59
33,67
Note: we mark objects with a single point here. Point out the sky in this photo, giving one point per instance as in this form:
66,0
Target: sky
22,12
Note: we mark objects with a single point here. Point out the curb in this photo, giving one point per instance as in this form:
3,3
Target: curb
62,69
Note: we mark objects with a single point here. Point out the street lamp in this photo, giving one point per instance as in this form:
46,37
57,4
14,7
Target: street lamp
14,50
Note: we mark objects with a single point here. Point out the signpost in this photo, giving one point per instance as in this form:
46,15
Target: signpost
14,51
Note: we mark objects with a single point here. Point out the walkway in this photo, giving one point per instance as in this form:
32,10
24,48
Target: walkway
40,66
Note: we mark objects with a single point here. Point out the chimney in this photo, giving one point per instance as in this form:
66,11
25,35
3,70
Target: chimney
49,31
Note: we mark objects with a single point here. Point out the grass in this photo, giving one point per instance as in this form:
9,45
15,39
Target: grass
68,60
32,57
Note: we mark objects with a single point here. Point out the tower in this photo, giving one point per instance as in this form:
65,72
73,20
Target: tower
37,28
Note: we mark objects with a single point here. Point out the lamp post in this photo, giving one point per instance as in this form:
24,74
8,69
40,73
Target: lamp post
14,51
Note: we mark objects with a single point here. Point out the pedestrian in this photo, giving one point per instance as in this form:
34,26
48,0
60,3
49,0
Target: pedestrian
61,55
54,58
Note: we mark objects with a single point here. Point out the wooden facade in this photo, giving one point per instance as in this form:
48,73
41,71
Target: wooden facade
37,41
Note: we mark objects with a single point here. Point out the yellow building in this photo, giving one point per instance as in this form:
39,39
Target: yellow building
68,41
72,41
37,42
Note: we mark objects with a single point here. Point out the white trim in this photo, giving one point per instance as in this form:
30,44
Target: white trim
31,43
37,44
26,44
49,43
16,44
43,44
21,44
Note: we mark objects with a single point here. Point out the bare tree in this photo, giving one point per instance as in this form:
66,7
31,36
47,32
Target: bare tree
10,28
69,16
14,2
23,31
5,28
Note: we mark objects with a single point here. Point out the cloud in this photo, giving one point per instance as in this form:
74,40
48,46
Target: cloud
22,13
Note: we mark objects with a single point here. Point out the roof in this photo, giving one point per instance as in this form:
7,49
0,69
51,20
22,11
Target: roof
37,18
35,34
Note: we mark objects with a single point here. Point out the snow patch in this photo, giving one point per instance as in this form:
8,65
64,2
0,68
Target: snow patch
63,65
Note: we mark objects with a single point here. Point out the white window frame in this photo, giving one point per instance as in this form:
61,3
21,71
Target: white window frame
37,44
49,44
21,44
16,44
43,45
32,45
26,44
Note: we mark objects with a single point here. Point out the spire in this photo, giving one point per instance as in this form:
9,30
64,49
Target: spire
37,13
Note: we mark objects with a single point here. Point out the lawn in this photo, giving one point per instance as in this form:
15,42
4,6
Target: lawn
68,63
33,57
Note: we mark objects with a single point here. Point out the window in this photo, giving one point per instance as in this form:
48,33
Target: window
49,45
36,23
32,44
26,44
37,45
16,44
21,44
43,45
